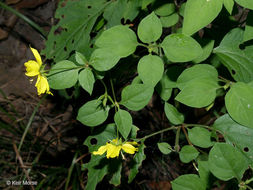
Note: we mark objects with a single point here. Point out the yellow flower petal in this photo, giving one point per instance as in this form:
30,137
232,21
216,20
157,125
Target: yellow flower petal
101,150
42,85
32,68
128,148
133,143
36,55
112,151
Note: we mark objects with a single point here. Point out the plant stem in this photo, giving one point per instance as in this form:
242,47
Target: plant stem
30,122
177,147
156,133
113,92
186,136
26,19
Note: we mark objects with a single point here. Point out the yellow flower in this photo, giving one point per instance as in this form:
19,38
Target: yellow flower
35,68
114,147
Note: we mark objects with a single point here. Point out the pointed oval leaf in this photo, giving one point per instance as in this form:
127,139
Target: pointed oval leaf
181,48
120,40
165,9
124,122
188,153
136,96
86,80
198,93
207,50
150,28
168,21
92,113
202,12
172,114
63,74
226,162
80,58
200,137
164,147
188,182
236,134
136,162
239,103
150,69
103,59
201,71
229,4
245,3
248,33
239,62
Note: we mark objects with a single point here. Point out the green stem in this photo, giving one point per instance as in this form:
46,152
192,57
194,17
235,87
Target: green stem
30,122
177,147
203,126
156,133
113,93
103,85
26,19
249,187
60,70
70,171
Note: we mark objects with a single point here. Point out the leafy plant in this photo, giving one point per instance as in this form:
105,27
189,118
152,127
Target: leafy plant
171,53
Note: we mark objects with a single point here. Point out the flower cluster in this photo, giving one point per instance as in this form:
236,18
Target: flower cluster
114,147
36,68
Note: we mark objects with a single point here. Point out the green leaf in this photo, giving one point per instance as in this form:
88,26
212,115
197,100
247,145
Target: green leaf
188,153
168,82
150,28
63,74
202,12
188,182
74,28
229,4
87,80
200,137
164,147
226,162
248,33
239,62
150,69
136,96
100,136
98,166
168,21
197,72
198,93
124,122
198,86
96,175
136,162
145,3
80,58
181,48
92,113
172,114
103,59
118,10
245,3
165,9
204,172
239,103
120,40
207,50
116,169
236,134
114,13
